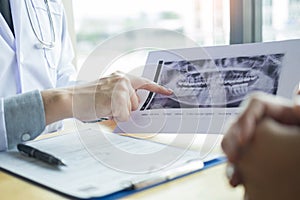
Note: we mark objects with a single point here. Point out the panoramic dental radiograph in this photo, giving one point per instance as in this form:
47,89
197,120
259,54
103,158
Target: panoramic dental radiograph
222,82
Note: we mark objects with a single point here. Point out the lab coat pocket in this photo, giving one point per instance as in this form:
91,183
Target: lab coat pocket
50,29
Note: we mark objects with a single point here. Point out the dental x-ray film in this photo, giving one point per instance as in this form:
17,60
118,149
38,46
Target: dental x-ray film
210,83
192,80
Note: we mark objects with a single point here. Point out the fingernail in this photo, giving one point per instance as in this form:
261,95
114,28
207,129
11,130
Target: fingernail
296,100
170,90
229,171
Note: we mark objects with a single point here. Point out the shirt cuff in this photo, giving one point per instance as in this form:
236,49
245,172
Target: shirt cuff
3,139
24,117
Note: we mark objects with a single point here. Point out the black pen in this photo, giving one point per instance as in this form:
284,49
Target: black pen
97,120
39,155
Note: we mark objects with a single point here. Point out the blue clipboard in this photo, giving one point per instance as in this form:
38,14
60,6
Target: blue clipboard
125,193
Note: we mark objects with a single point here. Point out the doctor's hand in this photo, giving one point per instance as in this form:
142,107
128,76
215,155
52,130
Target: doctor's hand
112,96
242,131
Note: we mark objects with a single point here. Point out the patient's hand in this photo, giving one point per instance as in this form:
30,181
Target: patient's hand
259,107
270,165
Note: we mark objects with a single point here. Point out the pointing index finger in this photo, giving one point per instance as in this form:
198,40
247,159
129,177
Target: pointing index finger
151,86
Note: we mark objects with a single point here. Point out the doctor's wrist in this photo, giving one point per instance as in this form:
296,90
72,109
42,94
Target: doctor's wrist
57,104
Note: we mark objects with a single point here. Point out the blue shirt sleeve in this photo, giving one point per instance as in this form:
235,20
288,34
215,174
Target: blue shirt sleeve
24,117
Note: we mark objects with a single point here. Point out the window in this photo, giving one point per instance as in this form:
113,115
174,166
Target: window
281,19
206,22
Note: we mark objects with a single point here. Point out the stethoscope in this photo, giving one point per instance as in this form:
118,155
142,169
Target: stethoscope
42,43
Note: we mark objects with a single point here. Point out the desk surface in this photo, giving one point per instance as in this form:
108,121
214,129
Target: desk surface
206,184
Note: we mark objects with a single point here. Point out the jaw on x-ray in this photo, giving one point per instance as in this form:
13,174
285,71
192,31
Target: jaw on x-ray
217,83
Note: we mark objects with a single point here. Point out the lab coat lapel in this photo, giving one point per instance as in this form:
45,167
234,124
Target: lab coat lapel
16,11
8,72
5,33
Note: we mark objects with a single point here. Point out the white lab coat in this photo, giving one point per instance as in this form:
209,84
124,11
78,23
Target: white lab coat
23,67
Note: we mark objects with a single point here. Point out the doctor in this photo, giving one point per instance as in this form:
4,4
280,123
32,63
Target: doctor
36,52
36,55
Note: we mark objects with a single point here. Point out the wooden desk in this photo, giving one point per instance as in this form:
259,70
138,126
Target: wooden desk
206,184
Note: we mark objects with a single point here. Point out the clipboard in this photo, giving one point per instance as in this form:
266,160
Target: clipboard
65,180
125,193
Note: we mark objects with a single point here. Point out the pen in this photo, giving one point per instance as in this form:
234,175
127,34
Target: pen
97,120
39,155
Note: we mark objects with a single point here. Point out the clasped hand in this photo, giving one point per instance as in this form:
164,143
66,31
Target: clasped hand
263,148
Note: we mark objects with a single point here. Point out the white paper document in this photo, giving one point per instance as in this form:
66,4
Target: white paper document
99,164
210,83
